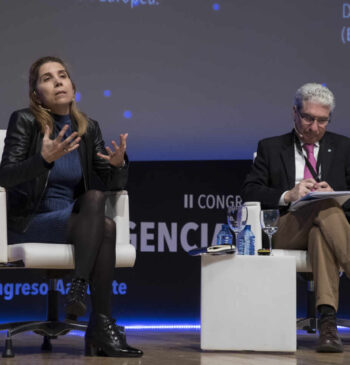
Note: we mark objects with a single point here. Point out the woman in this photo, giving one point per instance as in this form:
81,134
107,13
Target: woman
51,152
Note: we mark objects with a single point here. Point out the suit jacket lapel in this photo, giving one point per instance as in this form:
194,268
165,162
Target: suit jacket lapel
288,160
325,155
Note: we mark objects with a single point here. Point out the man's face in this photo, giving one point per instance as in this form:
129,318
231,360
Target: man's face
311,121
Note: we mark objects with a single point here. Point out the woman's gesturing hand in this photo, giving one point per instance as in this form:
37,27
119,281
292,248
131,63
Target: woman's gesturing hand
116,157
53,149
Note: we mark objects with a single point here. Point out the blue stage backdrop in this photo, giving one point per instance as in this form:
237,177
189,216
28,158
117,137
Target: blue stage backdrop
191,81
174,207
188,79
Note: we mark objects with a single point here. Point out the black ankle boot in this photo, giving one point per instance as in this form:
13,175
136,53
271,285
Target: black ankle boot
75,304
104,338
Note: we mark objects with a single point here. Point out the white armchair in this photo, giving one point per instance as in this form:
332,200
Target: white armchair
54,258
303,266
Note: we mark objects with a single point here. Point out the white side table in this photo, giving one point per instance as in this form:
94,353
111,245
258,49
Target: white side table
248,303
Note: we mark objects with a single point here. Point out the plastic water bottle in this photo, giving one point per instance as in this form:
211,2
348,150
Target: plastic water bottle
224,237
252,244
240,244
246,242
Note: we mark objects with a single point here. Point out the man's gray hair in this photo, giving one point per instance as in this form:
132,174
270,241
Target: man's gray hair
315,93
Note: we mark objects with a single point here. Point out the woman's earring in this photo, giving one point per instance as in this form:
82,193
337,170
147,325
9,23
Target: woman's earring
36,97
39,102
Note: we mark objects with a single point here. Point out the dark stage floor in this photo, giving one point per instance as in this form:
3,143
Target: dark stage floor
167,348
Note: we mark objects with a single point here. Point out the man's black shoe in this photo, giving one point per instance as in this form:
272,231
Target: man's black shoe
329,340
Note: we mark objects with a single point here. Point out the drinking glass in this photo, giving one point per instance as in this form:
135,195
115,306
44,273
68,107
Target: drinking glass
237,219
269,220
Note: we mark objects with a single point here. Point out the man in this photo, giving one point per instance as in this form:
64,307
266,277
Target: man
290,166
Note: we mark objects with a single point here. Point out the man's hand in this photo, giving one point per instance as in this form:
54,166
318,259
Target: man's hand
323,186
53,149
116,157
300,190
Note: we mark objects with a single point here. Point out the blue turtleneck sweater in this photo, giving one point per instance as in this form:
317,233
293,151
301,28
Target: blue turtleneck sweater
50,223
64,176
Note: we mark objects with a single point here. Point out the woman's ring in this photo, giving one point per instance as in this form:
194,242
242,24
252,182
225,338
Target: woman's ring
65,150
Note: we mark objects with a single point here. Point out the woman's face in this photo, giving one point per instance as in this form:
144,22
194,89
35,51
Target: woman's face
54,88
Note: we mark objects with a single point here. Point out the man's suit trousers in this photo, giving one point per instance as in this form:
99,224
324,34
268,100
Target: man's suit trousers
322,229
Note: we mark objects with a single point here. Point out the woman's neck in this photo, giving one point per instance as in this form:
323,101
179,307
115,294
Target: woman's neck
61,118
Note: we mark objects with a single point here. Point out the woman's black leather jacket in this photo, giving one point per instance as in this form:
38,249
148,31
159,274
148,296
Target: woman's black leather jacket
24,173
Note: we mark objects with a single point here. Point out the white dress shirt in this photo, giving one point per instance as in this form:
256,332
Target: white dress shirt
300,166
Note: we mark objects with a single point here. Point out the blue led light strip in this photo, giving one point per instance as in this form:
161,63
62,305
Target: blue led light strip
152,327
164,327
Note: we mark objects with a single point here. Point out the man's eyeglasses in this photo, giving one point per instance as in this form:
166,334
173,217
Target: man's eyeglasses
309,119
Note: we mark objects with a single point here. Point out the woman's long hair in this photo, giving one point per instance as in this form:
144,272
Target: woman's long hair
42,114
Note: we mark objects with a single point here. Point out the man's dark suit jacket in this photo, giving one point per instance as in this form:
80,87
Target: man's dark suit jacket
273,171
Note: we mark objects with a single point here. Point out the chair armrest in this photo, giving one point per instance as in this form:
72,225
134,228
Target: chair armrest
117,208
3,227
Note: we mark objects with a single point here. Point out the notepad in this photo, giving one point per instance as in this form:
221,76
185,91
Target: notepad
340,196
